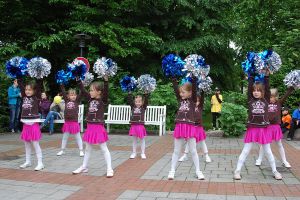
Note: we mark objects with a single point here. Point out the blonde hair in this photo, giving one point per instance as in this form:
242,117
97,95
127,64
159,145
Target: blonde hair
187,87
274,93
260,87
97,86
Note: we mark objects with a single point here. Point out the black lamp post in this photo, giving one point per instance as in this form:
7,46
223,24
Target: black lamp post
82,37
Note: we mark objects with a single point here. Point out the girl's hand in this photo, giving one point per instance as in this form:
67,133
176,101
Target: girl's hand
267,72
105,78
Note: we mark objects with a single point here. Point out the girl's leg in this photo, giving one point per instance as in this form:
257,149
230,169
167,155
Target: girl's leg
83,168
39,155
269,155
193,149
176,153
143,147
27,155
282,154
205,151
64,142
79,143
260,156
185,155
134,144
107,158
241,161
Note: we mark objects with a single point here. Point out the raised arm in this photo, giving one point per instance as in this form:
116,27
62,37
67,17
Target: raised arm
202,99
250,87
146,100
63,92
286,95
267,88
38,91
194,89
105,92
83,91
130,100
22,87
175,87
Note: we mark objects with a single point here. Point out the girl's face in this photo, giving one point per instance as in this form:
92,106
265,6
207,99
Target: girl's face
44,96
257,94
95,93
185,94
29,91
285,112
15,83
138,102
273,99
72,96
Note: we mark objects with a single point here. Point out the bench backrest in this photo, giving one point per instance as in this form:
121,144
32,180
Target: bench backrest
155,113
80,112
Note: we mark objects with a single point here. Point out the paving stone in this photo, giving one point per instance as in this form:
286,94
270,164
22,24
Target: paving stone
153,194
130,194
183,195
232,197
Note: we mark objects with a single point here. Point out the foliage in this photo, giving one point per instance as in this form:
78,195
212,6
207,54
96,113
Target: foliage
235,98
233,119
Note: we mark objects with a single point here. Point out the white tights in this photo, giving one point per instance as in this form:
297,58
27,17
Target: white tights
203,145
134,145
177,150
246,150
65,141
38,151
106,153
281,152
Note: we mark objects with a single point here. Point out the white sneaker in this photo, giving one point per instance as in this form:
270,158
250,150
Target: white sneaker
258,162
200,175
80,170
132,156
12,131
277,175
171,175
286,164
81,153
183,158
237,175
25,165
207,159
110,173
143,156
60,153
39,167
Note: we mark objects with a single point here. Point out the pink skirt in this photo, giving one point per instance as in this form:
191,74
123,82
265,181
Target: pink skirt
71,127
275,131
258,135
185,131
137,130
200,133
31,132
95,134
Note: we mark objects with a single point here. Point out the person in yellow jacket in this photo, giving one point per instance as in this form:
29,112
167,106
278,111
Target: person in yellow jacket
216,106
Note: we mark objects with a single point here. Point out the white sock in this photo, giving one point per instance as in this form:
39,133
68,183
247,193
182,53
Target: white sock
134,144
106,154
79,141
281,151
176,153
27,152
193,150
143,145
270,157
243,156
38,152
64,140
261,153
87,154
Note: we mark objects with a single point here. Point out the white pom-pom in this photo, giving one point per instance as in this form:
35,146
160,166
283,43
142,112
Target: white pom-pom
195,65
292,79
105,67
88,79
146,83
39,67
205,84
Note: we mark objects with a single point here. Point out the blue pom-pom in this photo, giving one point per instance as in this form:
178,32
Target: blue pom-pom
128,83
271,60
16,67
187,79
63,77
248,64
78,69
172,66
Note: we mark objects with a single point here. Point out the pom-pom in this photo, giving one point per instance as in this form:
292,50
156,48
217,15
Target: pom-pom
88,79
77,68
16,67
292,79
205,84
146,83
186,79
172,66
128,83
62,77
274,62
57,99
195,65
38,67
254,64
105,67
86,62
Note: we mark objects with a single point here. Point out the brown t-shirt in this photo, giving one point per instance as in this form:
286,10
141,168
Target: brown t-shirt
137,113
199,110
30,105
96,108
71,107
186,111
258,108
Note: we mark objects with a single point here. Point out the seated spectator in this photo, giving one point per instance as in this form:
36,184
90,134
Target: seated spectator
56,112
44,105
286,120
295,123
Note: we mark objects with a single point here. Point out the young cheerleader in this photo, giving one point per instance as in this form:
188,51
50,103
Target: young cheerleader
71,125
201,136
31,133
274,112
257,124
184,128
137,128
95,132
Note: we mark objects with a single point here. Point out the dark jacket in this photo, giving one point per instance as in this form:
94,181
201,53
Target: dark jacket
137,113
71,107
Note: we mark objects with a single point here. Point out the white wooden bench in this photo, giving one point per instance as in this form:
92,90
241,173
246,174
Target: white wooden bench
120,114
80,118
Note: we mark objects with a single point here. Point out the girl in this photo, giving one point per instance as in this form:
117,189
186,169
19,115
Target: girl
137,128
274,112
95,132
44,106
257,124
201,136
184,128
31,133
71,125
